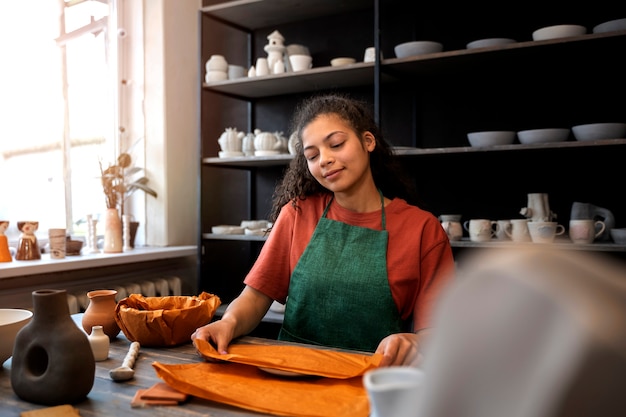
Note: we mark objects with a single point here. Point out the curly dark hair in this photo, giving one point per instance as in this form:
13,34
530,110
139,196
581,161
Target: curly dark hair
298,183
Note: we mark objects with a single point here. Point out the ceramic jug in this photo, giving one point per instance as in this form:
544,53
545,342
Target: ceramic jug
52,361
101,312
538,208
113,240
451,223
586,211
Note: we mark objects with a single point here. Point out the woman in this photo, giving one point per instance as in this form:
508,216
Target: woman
360,267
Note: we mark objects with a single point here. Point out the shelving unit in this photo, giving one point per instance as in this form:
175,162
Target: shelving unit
427,104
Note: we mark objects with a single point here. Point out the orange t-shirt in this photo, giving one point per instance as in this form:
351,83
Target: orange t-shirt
419,256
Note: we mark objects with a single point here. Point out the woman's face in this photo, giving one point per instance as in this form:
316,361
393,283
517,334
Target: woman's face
336,156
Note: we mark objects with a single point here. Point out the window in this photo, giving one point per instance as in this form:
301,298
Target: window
58,111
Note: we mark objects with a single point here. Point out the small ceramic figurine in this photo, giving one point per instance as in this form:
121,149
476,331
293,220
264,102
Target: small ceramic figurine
28,248
5,253
275,50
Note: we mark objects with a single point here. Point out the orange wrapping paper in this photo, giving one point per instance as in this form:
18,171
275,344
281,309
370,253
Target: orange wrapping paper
164,321
248,387
294,358
237,380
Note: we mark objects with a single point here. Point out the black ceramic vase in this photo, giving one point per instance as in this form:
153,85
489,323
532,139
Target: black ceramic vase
52,362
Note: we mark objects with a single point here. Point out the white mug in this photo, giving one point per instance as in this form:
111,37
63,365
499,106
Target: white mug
585,231
503,225
481,230
393,390
517,230
544,232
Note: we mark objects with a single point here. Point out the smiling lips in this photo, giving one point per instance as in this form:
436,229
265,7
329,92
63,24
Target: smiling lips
331,174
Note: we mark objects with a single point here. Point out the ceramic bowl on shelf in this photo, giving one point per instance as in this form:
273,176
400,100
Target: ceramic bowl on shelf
11,321
558,31
619,236
610,26
413,48
227,229
532,136
340,61
489,42
599,131
491,138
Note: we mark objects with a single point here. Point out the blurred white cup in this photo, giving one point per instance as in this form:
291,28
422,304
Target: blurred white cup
300,62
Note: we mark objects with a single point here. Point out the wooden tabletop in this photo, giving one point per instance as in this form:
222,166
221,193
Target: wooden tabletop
110,398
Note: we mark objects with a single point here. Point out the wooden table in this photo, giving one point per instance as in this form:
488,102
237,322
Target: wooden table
110,398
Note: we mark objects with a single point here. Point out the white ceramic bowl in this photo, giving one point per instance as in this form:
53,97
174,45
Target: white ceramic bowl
491,138
528,137
227,229
599,131
558,31
619,236
337,62
413,48
610,26
11,321
489,42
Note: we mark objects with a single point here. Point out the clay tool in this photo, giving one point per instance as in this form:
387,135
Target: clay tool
126,372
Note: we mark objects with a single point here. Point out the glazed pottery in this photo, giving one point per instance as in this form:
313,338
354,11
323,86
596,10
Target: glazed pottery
113,242
451,223
101,312
5,252
587,211
538,208
28,247
99,343
52,360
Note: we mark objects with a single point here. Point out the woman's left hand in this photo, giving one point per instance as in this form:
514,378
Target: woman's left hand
400,349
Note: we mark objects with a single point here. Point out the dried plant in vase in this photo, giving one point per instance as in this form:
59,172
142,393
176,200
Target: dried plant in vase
120,181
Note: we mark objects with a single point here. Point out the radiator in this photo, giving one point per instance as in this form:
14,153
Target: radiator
157,287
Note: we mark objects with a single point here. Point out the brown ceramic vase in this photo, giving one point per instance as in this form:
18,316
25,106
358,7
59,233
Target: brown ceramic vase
52,360
101,312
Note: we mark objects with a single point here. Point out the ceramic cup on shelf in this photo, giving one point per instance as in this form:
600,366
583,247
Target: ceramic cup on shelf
57,241
236,71
545,232
481,230
585,231
517,230
370,54
300,62
503,225
451,223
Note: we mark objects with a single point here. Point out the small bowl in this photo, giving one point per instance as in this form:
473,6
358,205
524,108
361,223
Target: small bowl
489,42
226,229
338,62
73,247
413,48
529,137
558,31
599,131
619,236
491,138
610,26
11,322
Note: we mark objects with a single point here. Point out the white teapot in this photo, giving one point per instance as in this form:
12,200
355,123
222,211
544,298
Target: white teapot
266,143
231,142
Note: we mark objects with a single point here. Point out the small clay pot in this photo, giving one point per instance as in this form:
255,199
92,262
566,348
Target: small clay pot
101,312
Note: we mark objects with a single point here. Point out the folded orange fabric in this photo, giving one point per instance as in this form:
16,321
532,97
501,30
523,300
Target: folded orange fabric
247,387
164,321
294,358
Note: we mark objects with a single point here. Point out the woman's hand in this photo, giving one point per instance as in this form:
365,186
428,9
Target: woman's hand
219,333
401,349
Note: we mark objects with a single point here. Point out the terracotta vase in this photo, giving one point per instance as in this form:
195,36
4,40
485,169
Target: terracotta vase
52,360
101,312
113,242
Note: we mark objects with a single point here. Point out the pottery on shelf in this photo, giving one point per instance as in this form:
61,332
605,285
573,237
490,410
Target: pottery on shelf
113,242
52,362
28,247
266,143
5,252
231,143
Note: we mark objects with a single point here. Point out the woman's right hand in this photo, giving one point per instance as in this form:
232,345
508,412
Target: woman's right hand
219,333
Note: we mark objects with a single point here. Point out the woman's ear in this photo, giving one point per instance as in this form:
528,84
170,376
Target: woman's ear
369,140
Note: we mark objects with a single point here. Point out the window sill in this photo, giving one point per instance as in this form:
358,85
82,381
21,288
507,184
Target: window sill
85,261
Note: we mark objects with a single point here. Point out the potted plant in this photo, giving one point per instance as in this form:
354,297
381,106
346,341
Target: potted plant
119,182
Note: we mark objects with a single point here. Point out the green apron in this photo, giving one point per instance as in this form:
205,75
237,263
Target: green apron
339,293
